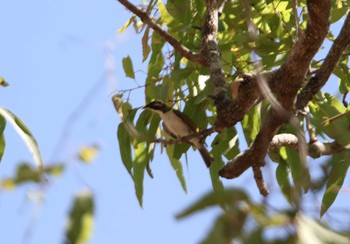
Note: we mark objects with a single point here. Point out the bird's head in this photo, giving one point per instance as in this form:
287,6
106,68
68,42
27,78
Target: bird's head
158,106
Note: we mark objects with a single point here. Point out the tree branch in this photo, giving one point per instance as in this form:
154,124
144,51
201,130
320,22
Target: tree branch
316,148
184,51
327,67
285,82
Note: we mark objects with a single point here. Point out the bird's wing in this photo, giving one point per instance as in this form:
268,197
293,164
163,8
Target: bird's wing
187,120
166,129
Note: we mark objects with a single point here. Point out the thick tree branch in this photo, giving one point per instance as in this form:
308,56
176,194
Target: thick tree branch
316,148
184,51
323,73
285,82
211,51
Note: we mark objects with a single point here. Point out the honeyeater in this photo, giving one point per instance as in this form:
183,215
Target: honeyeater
176,124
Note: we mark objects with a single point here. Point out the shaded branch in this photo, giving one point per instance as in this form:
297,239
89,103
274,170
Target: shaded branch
316,148
145,18
323,73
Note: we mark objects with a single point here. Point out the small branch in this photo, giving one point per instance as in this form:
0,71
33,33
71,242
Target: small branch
184,51
185,139
316,149
323,73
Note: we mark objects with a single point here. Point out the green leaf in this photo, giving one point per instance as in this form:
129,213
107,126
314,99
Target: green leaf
80,223
324,108
141,159
128,67
282,176
2,138
146,49
125,148
228,197
300,173
251,124
226,227
25,134
166,17
338,13
340,165
177,166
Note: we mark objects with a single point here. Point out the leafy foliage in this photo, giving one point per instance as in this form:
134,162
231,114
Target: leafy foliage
184,85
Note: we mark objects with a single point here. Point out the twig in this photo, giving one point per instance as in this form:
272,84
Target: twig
145,18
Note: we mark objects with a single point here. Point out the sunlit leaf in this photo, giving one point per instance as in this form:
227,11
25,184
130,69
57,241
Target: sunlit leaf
127,24
54,169
310,231
25,134
340,166
128,67
87,154
80,222
166,17
329,117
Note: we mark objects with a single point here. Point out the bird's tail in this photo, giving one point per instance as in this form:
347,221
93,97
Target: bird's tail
206,155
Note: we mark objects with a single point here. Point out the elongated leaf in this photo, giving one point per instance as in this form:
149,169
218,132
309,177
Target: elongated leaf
2,138
128,67
251,124
80,224
226,197
168,19
310,231
125,148
177,166
330,117
146,49
340,165
141,159
127,24
25,134
282,176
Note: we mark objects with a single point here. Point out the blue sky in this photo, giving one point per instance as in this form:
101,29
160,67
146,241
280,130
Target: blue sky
53,53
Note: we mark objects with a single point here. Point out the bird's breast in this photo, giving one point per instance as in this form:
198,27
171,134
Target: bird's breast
175,124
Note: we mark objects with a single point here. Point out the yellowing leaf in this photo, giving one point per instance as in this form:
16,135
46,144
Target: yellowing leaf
87,154
168,19
8,184
126,25
3,82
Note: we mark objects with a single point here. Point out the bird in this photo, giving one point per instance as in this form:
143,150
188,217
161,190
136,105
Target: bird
178,125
